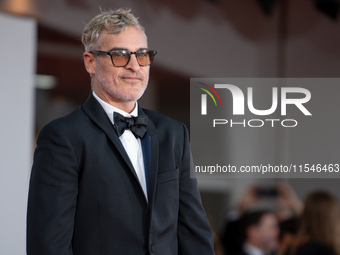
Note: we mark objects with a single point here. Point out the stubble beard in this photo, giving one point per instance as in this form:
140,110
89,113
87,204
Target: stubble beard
110,88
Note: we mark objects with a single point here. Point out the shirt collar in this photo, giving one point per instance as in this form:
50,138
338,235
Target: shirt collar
109,109
252,250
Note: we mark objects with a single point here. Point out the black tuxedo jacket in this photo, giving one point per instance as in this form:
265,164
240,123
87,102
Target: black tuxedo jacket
85,197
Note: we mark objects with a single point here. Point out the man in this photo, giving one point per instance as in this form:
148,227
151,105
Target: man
112,178
255,203
260,232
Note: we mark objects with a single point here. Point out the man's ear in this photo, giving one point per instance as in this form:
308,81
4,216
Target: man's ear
90,63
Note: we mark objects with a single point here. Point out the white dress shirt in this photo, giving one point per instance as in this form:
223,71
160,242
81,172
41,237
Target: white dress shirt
252,250
132,145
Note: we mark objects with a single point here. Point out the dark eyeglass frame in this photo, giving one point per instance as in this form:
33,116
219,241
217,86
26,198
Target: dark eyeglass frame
110,53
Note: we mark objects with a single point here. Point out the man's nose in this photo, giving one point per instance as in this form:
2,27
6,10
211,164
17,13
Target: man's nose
133,63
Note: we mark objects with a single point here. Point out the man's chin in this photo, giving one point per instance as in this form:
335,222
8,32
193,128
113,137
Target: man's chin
129,97
134,93
127,94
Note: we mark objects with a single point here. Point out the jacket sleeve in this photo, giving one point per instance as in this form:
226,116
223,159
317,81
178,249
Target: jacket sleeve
52,195
194,232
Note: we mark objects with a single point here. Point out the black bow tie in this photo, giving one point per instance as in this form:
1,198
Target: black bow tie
137,125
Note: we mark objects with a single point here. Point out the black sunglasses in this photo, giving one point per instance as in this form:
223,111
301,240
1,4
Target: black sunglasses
120,58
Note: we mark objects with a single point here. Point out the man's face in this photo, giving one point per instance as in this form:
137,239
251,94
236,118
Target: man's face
266,233
118,84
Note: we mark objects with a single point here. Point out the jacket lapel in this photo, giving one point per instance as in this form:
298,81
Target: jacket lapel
151,154
96,113
146,148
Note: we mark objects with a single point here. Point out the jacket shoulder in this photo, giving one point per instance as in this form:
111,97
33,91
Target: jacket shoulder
68,122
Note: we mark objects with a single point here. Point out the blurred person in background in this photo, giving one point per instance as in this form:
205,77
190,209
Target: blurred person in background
318,226
280,198
288,230
259,232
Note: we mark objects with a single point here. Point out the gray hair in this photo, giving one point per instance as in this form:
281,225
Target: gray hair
114,21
